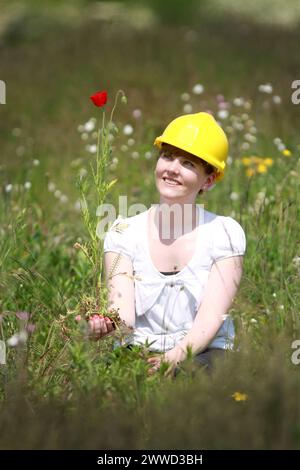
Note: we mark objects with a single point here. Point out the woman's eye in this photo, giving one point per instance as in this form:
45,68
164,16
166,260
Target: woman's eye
188,163
167,156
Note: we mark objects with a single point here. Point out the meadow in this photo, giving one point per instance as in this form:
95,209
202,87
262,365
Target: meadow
58,389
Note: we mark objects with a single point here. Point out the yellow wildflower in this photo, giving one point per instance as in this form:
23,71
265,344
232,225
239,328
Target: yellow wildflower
287,153
261,168
239,396
268,161
246,161
250,172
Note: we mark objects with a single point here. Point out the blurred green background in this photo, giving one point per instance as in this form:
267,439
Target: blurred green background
235,59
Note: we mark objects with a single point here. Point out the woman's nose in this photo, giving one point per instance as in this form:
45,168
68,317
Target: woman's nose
174,165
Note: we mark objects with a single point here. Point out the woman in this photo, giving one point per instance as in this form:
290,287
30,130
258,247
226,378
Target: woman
173,270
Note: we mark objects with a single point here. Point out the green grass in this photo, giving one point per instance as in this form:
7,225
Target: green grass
72,393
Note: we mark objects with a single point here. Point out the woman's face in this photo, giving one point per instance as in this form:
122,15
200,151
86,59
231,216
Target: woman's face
179,175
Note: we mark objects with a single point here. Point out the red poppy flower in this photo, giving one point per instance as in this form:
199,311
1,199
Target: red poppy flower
99,99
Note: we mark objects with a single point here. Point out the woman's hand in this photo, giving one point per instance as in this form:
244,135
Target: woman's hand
99,326
173,357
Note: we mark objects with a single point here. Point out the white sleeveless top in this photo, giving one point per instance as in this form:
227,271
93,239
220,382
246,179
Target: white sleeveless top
166,305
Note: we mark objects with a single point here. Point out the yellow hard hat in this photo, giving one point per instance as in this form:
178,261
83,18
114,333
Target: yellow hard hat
200,135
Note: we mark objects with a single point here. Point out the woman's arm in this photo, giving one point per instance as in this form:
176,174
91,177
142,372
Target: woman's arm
221,288
119,279
120,283
222,285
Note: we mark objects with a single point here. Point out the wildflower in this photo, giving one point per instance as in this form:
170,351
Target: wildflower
266,88
246,161
80,128
51,187
238,101
223,114
8,188
296,261
63,199
91,148
136,113
148,155
276,99
78,318
131,142
27,185
229,160
89,125
287,153
185,96
250,172
220,98
187,108
57,193
261,168
135,155
198,89
268,161
127,129
124,148
245,146
36,162
84,136
234,196
22,315
281,147
17,339
99,99
239,396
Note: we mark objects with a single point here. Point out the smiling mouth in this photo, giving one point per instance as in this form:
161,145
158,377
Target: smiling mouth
171,182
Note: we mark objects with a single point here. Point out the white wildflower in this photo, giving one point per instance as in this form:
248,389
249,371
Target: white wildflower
36,162
245,146
124,148
63,199
57,193
223,114
234,196
148,155
238,101
8,188
51,187
198,89
131,142
187,108
185,96
265,88
27,185
89,126
92,148
127,129
276,99
135,155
